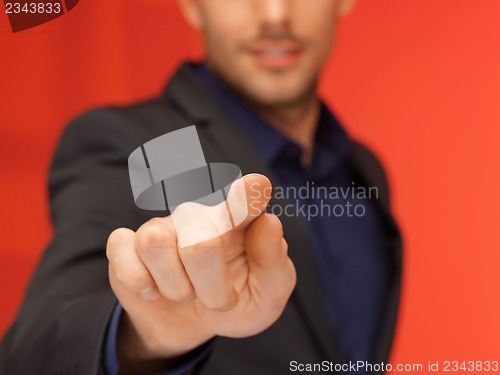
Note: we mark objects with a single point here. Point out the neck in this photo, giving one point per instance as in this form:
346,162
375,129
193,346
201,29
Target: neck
297,121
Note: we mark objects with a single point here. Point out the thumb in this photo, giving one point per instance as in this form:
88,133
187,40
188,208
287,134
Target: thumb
272,272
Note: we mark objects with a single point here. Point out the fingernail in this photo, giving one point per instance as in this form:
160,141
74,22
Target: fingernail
149,294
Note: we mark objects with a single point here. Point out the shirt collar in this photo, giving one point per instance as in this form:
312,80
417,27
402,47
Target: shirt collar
332,145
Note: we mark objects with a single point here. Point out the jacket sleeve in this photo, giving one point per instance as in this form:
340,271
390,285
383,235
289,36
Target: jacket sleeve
61,324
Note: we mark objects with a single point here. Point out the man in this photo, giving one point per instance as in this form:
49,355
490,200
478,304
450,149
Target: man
222,306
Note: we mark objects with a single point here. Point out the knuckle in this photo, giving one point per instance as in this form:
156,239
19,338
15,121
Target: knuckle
292,274
201,253
151,234
284,245
220,304
116,238
177,294
134,279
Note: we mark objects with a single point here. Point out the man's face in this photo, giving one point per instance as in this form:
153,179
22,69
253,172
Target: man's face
271,51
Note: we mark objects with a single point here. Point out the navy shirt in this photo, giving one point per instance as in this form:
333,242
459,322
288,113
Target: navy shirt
346,227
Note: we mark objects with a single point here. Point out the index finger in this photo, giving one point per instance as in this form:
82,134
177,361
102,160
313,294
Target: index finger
246,200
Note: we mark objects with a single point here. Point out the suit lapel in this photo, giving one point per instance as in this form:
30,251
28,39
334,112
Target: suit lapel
371,174
192,98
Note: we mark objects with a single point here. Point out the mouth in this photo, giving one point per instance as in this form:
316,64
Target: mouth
276,56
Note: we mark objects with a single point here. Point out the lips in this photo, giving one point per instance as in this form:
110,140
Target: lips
276,56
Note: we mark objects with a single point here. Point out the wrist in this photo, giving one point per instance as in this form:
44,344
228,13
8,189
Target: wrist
145,347
138,352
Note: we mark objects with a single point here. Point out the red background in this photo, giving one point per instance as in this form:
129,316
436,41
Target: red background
418,80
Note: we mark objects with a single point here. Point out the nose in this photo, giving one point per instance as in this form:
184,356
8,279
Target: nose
275,12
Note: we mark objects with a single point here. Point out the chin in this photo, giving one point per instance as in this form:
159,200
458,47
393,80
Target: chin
274,94
271,89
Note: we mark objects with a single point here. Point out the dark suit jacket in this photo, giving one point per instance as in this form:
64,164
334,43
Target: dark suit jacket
61,325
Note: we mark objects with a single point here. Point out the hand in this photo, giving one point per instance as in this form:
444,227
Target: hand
175,299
